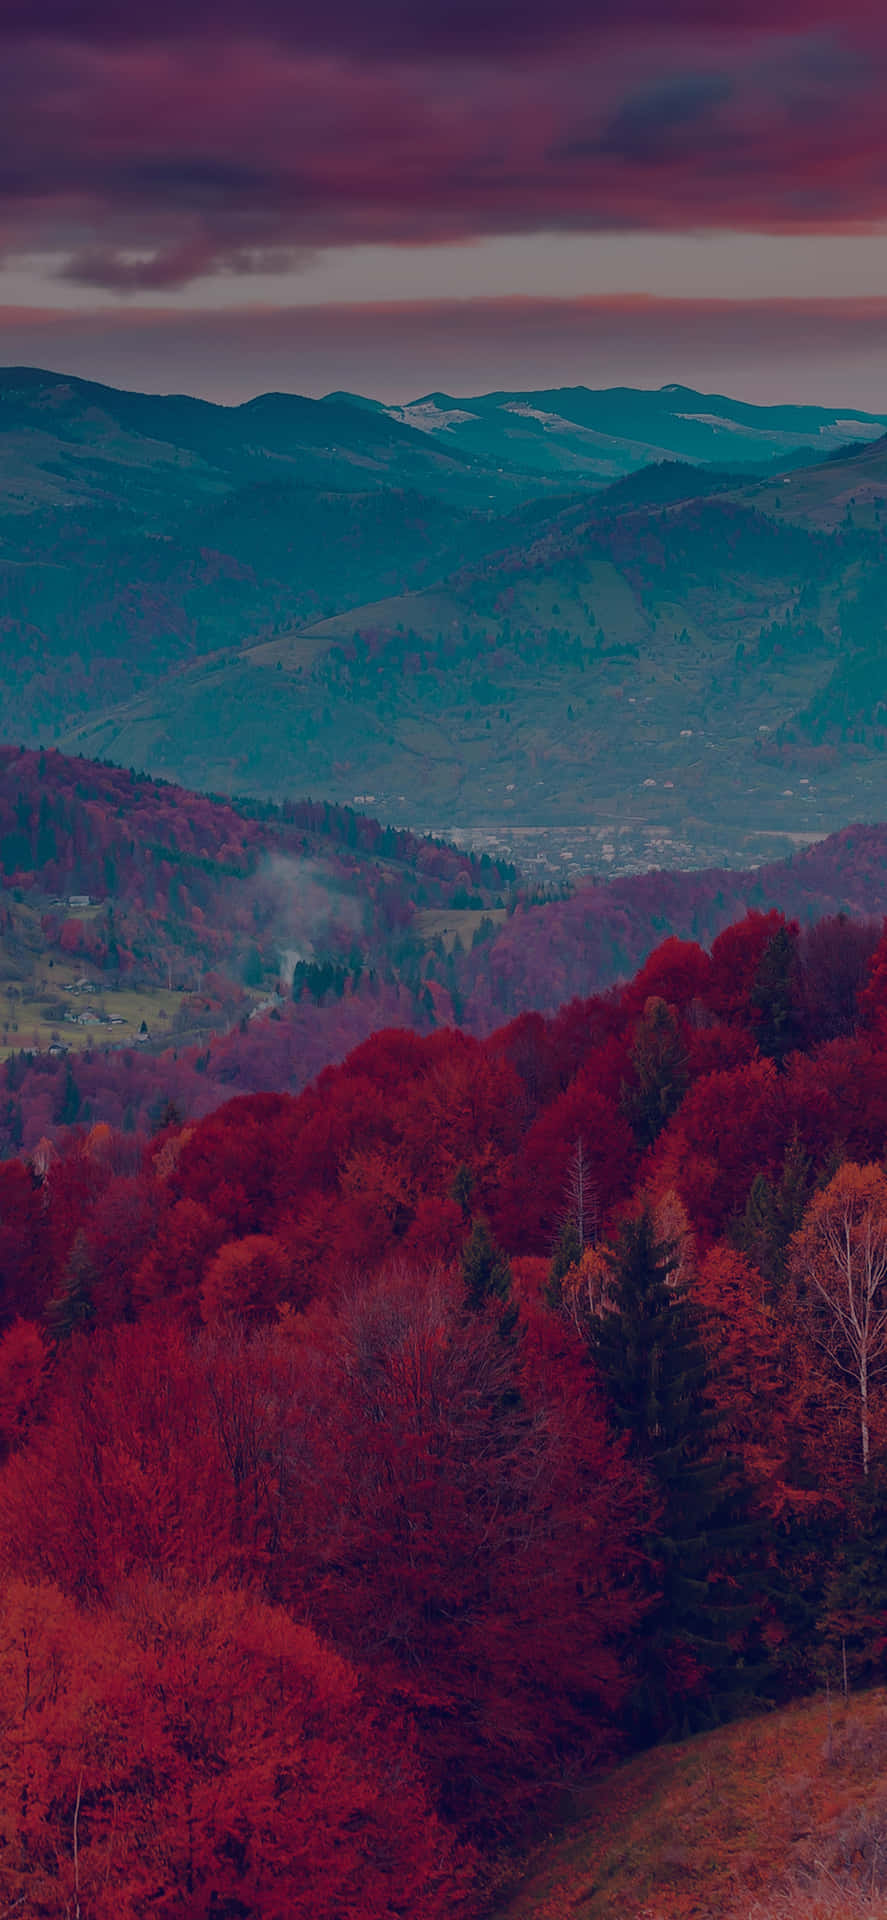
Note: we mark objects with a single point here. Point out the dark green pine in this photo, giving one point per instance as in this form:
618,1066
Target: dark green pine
72,1308
486,1274
773,1213
649,1351
660,1072
567,1253
774,996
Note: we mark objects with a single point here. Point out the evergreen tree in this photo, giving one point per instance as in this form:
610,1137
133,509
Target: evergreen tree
802,1549
12,1123
462,1188
754,1231
72,1308
790,1199
659,1059
773,995
69,1104
567,1253
648,1348
773,1213
486,1272
253,968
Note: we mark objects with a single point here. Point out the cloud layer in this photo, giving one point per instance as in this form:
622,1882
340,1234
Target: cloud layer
456,29
828,351
146,147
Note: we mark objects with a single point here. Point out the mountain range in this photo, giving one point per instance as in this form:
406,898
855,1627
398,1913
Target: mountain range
575,430
678,669
453,621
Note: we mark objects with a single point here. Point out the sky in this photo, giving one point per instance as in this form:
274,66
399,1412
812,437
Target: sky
398,196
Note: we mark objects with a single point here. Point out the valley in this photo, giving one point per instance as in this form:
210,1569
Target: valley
552,854
216,948
443,960
669,662
650,690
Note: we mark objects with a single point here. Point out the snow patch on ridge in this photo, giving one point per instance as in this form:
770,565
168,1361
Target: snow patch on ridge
428,417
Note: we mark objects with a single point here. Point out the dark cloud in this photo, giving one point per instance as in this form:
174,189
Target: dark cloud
411,29
147,146
649,128
198,179
115,271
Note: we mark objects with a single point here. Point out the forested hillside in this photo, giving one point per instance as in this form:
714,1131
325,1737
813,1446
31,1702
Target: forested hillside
149,935
457,617
602,929
492,1403
189,876
161,948
697,660
139,532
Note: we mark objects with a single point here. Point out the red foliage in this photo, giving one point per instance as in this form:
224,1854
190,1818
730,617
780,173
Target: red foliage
155,1734
751,1361
265,1384
24,1242
251,1275
535,1200
873,994
735,957
729,1127
23,1367
678,971
471,1520
837,1099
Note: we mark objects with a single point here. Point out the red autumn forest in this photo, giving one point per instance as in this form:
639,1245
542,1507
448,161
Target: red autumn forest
377,1460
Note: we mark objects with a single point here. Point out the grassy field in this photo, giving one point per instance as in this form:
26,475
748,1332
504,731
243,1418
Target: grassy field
781,1817
27,1022
35,995
455,926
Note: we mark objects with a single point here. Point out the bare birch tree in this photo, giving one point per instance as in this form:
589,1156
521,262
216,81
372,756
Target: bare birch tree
840,1257
582,1199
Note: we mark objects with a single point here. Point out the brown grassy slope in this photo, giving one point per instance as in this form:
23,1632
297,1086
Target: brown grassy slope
763,1820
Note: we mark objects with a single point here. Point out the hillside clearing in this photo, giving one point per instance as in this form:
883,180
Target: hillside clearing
455,926
768,1819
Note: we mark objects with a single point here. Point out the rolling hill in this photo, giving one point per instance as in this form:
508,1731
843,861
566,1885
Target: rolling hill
685,663
300,596
138,532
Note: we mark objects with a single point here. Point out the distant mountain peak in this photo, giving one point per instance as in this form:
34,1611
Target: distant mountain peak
342,398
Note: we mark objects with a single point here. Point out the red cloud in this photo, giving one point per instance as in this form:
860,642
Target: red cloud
144,162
